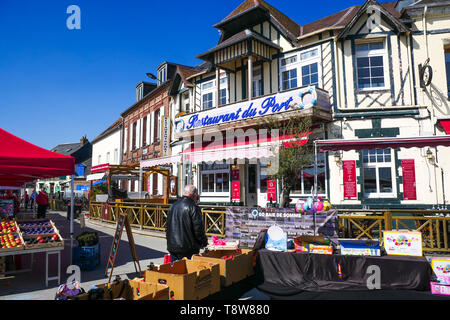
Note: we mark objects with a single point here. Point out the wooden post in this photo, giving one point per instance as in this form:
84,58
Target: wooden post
388,220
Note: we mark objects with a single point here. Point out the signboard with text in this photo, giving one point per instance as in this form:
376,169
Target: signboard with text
271,191
235,185
100,168
409,180
245,224
350,187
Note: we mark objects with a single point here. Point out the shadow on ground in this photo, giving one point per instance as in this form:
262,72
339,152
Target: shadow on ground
30,283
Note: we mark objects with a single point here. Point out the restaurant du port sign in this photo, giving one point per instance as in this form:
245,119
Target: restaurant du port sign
299,99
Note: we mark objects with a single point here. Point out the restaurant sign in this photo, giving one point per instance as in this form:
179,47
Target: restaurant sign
299,99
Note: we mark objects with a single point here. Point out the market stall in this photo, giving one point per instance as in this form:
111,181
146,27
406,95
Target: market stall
21,162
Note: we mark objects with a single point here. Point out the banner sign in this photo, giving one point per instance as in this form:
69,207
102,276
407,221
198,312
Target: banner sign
100,168
271,190
299,99
409,180
244,224
236,185
350,189
165,137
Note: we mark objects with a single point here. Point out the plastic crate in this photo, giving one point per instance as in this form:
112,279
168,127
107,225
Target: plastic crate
81,253
87,264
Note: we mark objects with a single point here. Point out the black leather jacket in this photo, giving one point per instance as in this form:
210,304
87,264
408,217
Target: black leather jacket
185,231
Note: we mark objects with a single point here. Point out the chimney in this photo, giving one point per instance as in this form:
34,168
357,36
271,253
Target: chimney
83,140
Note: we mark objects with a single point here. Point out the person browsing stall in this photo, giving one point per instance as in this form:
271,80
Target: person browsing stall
42,202
185,231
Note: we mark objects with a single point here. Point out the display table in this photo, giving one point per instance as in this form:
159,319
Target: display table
48,252
290,273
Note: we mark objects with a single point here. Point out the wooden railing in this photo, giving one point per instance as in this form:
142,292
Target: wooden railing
353,224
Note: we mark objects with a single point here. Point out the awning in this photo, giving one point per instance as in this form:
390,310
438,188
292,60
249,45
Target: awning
96,176
21,161
160,161
250,147
445,123
382,143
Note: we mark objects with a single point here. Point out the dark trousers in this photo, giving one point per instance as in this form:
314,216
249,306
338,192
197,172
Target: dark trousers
175,256
41,211
26,205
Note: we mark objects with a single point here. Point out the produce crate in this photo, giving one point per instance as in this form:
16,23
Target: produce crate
86,252
235,265
87,264
37,245
16,235
35,222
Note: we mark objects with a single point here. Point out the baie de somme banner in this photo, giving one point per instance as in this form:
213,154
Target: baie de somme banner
244,224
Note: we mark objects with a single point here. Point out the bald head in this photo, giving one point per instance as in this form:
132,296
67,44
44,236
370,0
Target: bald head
190,191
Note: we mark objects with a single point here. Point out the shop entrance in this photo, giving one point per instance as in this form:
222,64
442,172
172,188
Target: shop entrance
252,190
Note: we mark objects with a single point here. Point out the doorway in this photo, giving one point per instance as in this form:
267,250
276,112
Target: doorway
252,189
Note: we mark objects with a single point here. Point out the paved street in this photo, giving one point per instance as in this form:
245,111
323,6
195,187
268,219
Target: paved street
31,285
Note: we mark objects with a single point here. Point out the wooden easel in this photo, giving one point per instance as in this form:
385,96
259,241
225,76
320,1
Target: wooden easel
122,223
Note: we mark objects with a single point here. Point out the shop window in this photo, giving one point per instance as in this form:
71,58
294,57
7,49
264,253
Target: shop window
370,59
305,181
378,173
263,178
215,178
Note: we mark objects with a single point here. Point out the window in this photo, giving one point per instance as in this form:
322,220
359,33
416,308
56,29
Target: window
370,59
134,135
157,126
289,79
223,96
208,85
257,82
186,102
215,178
100,159
162,75
108,157
155,184
305,182
378,173
116,156
144,132
310,75
207,101
447,68
309,54
290,60
140,93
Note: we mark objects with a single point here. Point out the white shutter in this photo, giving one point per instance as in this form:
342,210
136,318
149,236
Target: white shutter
125,145
152,127
149,129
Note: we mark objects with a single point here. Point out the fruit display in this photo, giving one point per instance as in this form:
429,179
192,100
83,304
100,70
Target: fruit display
35,224
38,231
43,241
11,241
8,226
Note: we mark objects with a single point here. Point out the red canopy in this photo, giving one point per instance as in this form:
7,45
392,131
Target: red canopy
383,143
21,161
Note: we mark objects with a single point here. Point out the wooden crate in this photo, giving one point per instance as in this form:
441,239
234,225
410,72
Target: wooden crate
42,245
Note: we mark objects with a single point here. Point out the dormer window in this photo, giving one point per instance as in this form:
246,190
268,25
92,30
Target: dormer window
140,92
162,75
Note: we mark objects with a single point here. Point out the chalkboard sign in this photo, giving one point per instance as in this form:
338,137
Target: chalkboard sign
121,224
6,207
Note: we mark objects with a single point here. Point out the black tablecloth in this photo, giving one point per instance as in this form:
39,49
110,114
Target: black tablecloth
287,273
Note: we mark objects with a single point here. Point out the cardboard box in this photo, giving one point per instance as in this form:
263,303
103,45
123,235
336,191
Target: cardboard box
440,289
353,247
320,249
187,279
232,270
136,290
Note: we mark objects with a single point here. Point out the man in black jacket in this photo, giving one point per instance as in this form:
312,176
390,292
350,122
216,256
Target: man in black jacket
185,231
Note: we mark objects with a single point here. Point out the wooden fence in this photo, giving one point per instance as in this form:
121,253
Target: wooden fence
353,224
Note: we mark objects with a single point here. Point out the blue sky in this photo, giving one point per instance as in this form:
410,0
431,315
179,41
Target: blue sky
57,85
